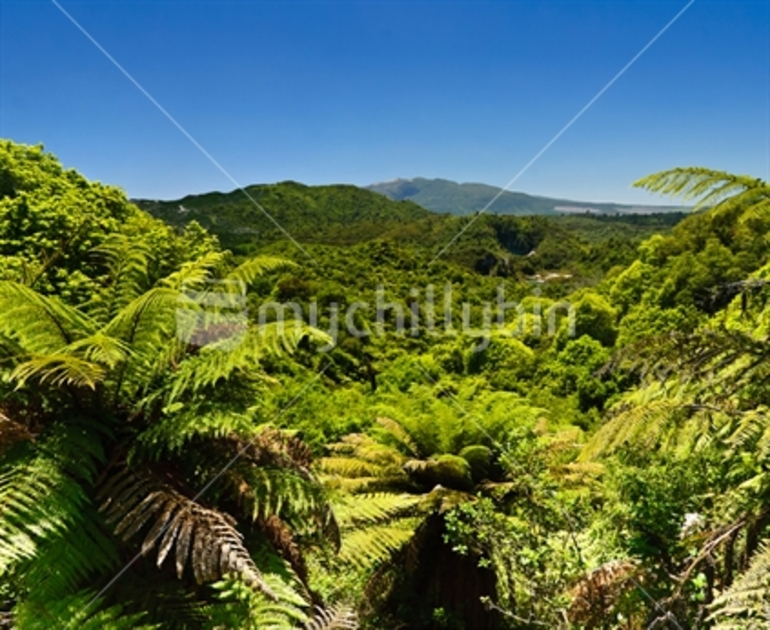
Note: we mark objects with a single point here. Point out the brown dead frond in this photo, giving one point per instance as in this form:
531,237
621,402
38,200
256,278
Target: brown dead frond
204,538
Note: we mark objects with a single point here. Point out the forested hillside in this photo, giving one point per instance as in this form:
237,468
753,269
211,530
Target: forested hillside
446,196
552,424
248,221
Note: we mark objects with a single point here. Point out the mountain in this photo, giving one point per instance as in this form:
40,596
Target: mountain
334,213
445,196
345,216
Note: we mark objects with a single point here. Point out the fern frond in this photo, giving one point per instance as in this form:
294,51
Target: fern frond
374,544
708,185
370,509
239,353
257,267
59,370
76,611
83,552
333,618
349,467
400,434
127,263
738,199
38,503
745,604
182,424
204,537
594,597
12,432
279,491
640,425
42,494
194,275
39,324
242,607
147,326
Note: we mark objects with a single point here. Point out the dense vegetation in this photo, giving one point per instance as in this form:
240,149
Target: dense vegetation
174,454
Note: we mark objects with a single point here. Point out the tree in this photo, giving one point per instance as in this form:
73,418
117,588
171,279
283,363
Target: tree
401,483
121,412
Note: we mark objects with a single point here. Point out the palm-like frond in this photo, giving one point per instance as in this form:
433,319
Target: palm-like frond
147,325
638,425
81,554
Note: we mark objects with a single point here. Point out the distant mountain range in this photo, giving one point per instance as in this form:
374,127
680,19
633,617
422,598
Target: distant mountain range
248,220
445,196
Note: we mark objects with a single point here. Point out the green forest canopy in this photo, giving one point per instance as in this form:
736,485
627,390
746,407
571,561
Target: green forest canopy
168,460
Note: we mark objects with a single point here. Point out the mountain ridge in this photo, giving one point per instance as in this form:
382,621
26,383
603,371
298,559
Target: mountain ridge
445,196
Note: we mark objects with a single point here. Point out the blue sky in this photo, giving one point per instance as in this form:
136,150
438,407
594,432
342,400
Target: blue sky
359,92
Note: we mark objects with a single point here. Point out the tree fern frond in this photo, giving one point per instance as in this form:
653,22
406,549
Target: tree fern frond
205,538
644,424
697,182
194,275
39,324
369,509
76,611
42,494
739,199
100,348
374,544
146,325
349,467
59,370
12,432
128,263
271,491
745,604
333,618
170,434
81,553
257,267
238,351
282,539
400,434
245,608
595,596
38,503
146,319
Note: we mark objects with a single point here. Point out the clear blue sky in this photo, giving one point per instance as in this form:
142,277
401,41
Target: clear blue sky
359,92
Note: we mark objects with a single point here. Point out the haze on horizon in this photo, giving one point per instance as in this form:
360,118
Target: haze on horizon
363,92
